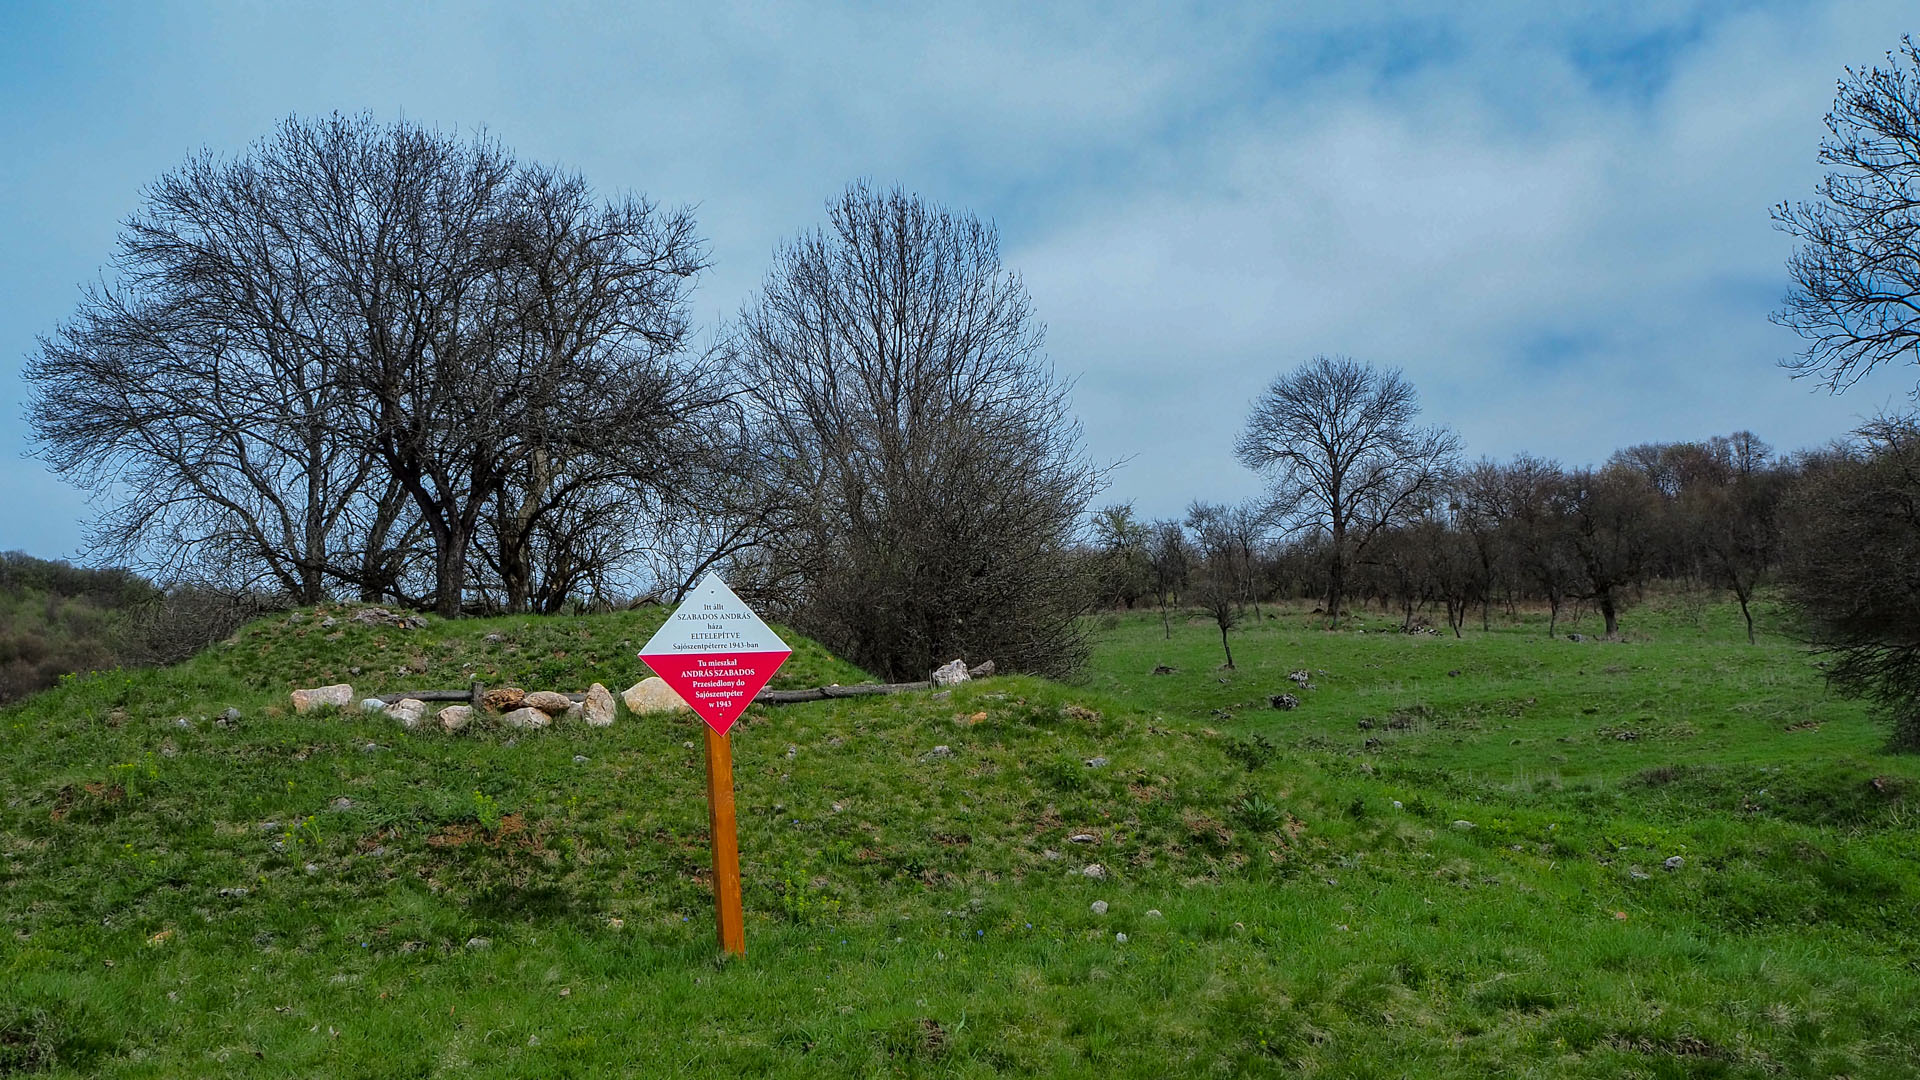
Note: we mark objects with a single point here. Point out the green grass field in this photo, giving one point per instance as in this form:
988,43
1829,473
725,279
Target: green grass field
1300,892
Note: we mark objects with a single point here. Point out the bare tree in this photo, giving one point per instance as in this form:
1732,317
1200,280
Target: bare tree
1612,523
1218,581
1169,557
1856,274
1337,440
1852,532
357,345
895,369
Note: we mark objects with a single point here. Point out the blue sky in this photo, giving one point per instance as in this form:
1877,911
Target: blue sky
1553,217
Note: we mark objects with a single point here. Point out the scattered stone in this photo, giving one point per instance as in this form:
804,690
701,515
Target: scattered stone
342,803
1082,838
269,826
1397,806
1302,679
1154,913
547,701
526,719
495,639
581,759
1373,744
653,695
941,751
370,748
1637,874
944,695
1283,702
1365,725
313,868
1120,937
1454,674
503,698
1464,825
372,705
327,623
236,892
576,713
408,711
183,723
1576,638
1674,862
951,674
597,710
455,717
1096,763
792,751
1163,669
1051,855
1099,907
230,717
479,943
339,695
1094,871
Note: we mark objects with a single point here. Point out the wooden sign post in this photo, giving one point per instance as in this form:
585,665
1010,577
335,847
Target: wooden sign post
716,654
727,910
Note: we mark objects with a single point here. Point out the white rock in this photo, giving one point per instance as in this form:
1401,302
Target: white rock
1082,838
408,711
1094,871
1121,938
547,701
1463,825
372,705
1674,862
653,695
526,719
1099,907
1096,763
597,710
949,674
339,695
1154,913
576,713
455,717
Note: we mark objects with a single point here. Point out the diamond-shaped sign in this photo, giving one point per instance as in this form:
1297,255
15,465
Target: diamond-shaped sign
715,653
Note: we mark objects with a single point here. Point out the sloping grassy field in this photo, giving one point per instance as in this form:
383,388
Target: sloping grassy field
1480,890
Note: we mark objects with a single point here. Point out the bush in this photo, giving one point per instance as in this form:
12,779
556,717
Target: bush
1853,542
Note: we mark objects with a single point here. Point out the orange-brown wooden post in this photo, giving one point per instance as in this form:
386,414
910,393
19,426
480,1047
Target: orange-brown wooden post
726,843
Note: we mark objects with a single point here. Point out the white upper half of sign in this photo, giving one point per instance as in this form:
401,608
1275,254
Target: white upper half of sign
713,620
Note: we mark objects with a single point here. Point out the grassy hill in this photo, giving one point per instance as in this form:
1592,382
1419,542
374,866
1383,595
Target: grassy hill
1482,889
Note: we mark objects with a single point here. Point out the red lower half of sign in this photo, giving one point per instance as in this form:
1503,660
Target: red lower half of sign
719,686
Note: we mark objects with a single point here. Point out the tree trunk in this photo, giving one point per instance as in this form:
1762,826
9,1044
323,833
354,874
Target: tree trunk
1607,612
1336,588
1227,648
1741,594
1553,613
1166,624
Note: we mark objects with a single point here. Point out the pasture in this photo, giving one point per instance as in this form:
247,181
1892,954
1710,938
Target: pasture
1675,855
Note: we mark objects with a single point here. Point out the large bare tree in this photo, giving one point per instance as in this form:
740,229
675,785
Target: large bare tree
1337,440
359,347
1856,274
896,370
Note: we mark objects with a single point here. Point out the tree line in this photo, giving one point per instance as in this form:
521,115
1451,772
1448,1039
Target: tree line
389,363
1485,537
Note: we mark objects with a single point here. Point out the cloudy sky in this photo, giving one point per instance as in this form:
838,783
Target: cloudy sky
1553,217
